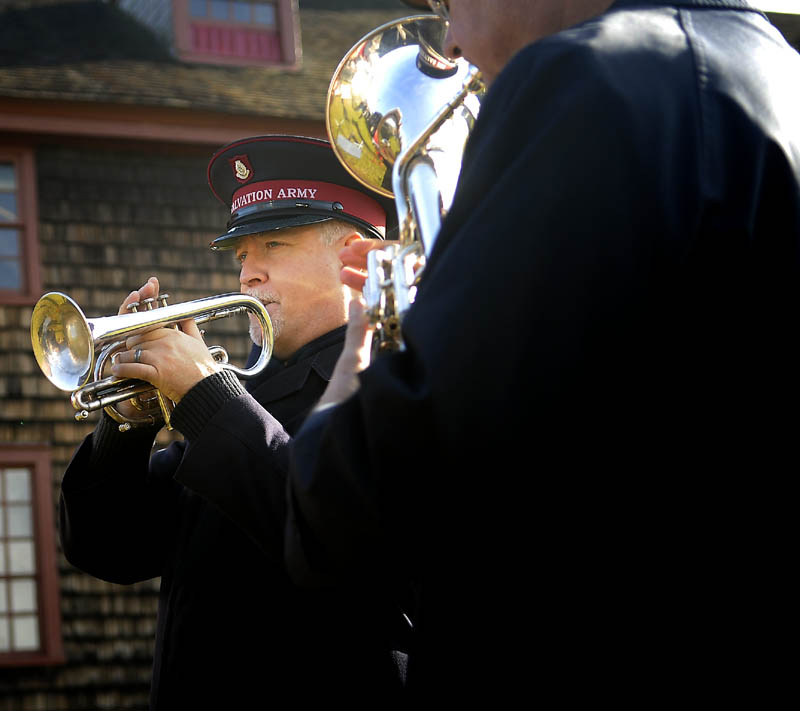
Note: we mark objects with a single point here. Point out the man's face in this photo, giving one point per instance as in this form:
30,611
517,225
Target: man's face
296,275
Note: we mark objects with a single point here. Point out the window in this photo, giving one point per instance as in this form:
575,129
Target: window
260,12
263,14
219,9
30,622
19,254
243,32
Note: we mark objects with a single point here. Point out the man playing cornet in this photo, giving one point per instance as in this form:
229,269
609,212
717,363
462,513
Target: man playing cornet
233,632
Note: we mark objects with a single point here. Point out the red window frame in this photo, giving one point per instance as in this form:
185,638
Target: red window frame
51,649
27,224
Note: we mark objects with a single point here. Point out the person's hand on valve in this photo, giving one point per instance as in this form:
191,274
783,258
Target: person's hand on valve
354,261
172,360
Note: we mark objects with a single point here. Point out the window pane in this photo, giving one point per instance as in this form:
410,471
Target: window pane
3,597
22,558
198,8
26,632
8,180
8,207
3,549
219,9
10,275
23,595
18,484
2,521
20,521
9,242
241,11
264,13
5,638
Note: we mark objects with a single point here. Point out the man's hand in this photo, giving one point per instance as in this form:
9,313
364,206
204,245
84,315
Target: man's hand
173,361
354,358
354,259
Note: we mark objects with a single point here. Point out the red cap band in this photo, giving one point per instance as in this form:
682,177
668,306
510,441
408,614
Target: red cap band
353,202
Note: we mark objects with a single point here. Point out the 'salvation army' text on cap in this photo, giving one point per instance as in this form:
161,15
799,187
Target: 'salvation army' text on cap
277,181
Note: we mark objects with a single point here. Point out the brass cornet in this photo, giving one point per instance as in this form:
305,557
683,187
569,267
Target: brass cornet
72,350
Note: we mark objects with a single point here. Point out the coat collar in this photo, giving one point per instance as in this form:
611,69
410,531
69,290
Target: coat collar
283,377
708,4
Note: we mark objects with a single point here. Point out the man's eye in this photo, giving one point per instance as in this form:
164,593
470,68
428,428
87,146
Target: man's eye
272,244
241,257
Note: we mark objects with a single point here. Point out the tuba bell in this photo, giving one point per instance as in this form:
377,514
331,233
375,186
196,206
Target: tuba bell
398,114
72,350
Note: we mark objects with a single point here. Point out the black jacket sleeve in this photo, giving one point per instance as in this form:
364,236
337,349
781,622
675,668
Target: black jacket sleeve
119,504
236,458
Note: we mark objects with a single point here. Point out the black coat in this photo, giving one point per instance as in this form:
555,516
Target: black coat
568,456
233,632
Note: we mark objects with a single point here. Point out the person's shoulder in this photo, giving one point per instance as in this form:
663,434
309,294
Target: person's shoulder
628,42
621,57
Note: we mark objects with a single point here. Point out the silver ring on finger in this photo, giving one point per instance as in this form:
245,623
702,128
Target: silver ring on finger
137,355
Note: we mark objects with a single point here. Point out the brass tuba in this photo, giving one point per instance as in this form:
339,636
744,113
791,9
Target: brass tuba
398,114
72,350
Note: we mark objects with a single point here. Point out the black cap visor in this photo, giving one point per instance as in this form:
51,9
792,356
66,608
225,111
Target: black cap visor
268,223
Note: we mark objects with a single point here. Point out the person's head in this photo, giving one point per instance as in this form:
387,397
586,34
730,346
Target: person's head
293,208
489,33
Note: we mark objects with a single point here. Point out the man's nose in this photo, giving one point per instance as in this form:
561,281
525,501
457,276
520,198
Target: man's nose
252,273
451,48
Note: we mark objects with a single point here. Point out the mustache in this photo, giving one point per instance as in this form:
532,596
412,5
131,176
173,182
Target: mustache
265,296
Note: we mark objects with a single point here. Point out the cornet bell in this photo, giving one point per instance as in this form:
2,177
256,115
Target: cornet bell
62,341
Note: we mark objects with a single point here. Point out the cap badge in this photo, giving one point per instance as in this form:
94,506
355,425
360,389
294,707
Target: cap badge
242,170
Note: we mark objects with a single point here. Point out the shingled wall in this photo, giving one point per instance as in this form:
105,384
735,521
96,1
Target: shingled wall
108,220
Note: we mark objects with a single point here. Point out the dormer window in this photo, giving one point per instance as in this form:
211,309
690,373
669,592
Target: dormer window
236,31
258,12
241,32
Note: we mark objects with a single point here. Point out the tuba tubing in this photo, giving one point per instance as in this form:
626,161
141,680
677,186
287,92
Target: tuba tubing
398,114
414,178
